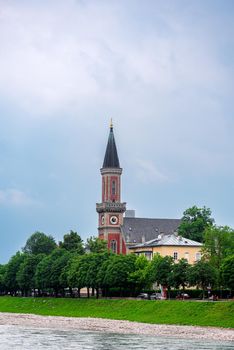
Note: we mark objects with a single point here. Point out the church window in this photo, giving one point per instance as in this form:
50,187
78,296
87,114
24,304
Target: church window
103,186
175,256
113,190
113,246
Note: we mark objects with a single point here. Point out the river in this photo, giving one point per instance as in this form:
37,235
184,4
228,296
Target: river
26,338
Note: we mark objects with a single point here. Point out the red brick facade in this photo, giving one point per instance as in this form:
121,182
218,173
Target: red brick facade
110,210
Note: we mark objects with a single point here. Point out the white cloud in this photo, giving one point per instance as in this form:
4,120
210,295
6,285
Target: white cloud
147,172
63,54
15,197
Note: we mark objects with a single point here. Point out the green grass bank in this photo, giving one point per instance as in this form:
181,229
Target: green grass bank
217,314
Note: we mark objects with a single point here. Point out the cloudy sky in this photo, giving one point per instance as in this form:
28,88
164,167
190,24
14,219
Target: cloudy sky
162,69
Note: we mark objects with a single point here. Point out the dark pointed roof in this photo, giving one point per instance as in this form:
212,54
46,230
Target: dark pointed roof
111,159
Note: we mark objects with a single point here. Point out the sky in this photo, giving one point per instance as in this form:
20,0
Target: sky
163,70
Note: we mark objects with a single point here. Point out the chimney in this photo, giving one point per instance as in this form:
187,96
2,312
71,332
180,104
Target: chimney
130,214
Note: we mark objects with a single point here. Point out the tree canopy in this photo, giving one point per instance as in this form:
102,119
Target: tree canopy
179,276
218,244
11,271
202,274
194,223
49,270
161,269
25,276
72,242
39,243
227,270
96,245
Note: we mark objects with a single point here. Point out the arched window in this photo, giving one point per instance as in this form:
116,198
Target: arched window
113,246
113,188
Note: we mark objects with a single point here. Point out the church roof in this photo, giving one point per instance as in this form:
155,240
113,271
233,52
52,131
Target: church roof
169,240
111,159
137,230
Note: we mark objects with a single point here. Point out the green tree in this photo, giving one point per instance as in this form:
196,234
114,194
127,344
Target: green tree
218,244
84,271
25,276
63,279
95,261
72,242
75,275
179,276
2,279
39,243
160,270
227,270
12,269
118,269
194,223
101,275
96,245
58,260
49,270
203,275
140,277
42,275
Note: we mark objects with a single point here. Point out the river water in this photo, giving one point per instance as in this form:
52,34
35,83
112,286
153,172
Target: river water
18,338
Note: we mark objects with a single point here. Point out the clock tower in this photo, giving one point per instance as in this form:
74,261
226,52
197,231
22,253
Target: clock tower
110,210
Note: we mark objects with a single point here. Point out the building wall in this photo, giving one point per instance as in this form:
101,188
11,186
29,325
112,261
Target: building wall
189,253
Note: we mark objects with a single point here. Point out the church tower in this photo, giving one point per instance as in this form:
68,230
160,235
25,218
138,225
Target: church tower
110,210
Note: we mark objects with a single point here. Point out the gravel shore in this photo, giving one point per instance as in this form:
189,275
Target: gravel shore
116,326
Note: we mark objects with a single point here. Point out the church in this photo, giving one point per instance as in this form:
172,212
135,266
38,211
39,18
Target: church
126,233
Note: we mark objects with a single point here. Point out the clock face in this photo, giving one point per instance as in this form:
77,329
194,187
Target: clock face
103,220
113,220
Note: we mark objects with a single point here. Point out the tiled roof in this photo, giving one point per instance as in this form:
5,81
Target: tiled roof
134,229
169,240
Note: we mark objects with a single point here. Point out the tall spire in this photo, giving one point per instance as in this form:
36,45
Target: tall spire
111,159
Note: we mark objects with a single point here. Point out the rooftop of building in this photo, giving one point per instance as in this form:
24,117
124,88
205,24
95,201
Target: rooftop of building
168,240
140,230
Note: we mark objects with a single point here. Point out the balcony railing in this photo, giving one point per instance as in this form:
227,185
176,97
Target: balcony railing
111,207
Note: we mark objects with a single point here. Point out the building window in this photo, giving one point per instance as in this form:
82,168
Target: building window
186,256
175,256
113,188
198,256
113,246
148,255
103,187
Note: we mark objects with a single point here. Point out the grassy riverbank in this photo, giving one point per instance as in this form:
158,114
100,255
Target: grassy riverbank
219,314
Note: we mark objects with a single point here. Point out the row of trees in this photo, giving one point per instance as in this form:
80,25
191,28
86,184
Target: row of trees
41,262
68,266
45,266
